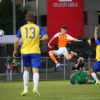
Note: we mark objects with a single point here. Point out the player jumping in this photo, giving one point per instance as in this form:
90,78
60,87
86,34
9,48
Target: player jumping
63,39
96,67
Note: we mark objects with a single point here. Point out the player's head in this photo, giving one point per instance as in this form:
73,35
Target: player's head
30,16
63,29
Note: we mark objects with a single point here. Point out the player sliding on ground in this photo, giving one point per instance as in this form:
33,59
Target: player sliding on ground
30,50
63,39
96,67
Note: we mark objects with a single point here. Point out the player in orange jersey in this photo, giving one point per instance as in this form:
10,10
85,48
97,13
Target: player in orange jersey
63,39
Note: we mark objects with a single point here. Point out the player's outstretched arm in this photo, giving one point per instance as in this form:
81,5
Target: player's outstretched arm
78,40
44,38
95,33
50,42
16,44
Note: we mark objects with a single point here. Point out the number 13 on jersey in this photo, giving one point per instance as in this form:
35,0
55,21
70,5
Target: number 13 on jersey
30,30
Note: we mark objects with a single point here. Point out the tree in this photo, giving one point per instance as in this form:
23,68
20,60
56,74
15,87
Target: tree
6,16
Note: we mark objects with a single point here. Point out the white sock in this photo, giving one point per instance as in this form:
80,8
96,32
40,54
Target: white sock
95,77
36,80
26,79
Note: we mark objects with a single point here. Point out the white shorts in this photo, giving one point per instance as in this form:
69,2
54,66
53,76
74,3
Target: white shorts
62,51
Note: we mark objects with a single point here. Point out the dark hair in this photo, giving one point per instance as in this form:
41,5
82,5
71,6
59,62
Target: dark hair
64,27
30,16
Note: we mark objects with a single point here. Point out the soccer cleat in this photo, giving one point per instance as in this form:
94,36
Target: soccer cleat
24,92
57,65
74,53
97,83
35,91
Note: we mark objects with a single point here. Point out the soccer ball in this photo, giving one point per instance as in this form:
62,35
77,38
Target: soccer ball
1,33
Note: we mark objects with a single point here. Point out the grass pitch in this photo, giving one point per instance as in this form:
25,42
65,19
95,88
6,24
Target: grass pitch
50,90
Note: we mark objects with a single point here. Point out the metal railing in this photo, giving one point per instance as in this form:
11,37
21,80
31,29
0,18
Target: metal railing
48,69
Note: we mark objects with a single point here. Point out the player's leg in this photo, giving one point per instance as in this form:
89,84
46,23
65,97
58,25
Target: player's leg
25,80
26,62
83,76
84,80
35,64
95,78
36,81
92,73
64,51
72,54
90,82
81,79
26,77
95,68
52,54
67,55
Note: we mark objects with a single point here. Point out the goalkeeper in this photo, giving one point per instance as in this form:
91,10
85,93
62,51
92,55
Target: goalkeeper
80,78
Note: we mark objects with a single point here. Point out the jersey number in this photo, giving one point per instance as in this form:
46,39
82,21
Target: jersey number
33,32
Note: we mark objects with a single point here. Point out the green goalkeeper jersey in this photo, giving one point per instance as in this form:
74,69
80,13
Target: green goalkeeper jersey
80,78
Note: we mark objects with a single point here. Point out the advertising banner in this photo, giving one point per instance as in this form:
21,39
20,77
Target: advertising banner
67,13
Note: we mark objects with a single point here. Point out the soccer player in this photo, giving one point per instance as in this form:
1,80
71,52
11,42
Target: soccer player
80,78
96,67
63,39
30,50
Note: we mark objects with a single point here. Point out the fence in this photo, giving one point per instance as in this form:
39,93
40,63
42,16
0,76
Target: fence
48,69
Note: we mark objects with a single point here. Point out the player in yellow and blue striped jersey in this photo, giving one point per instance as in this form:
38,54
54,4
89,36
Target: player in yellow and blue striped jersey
30,50
96,67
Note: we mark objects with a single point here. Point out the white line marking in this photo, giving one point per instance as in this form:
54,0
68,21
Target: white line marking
82,98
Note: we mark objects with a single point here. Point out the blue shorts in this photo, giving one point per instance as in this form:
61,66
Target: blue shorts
96,67
33,60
